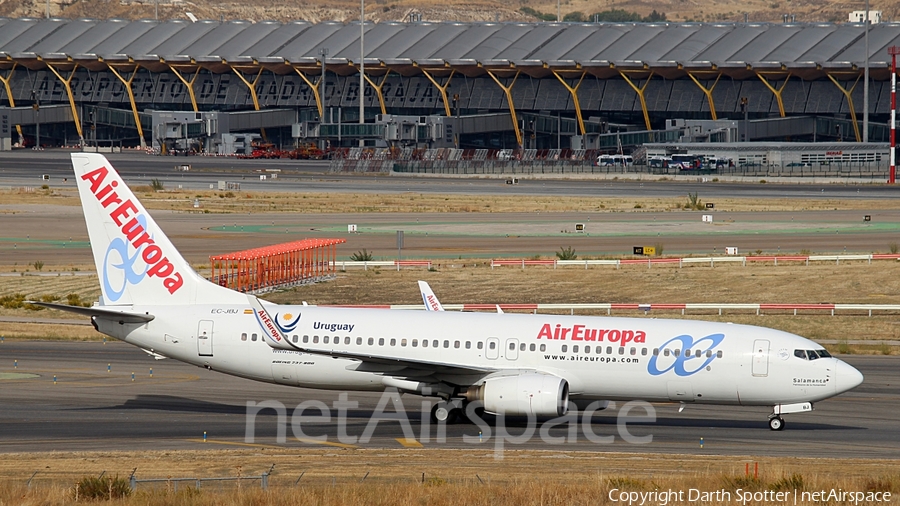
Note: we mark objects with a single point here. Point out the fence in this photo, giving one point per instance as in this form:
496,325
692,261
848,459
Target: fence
568,161
198,482
712,261
617,263
696,308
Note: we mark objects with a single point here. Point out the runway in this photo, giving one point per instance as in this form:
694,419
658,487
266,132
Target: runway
25,168
88,408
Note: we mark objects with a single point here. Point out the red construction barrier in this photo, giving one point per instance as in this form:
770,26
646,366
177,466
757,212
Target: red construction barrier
277,265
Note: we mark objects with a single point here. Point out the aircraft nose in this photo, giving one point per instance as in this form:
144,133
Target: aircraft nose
847,377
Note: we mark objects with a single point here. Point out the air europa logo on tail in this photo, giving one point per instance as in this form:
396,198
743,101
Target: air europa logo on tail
583,333
134,230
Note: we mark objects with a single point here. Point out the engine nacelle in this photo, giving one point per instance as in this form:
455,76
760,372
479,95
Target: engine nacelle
524,394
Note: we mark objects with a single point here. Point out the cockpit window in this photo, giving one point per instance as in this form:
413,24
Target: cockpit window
811,354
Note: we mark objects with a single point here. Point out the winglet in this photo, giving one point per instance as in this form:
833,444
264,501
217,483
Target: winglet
274,336
429,298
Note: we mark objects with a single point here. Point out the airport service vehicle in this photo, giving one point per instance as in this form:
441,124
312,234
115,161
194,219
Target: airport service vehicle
515,364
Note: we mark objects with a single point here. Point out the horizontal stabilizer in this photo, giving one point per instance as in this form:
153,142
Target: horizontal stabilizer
109,314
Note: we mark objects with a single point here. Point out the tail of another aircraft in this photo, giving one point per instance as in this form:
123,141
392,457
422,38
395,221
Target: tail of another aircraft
136,262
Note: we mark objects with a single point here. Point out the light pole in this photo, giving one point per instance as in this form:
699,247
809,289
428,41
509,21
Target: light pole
362,68
36,105
865,137
324,53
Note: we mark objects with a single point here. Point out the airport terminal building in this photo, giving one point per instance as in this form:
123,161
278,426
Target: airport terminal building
465,85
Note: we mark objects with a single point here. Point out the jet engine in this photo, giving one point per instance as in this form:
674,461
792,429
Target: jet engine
524,394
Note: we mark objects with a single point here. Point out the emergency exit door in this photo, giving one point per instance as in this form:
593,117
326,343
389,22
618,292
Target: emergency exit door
205,338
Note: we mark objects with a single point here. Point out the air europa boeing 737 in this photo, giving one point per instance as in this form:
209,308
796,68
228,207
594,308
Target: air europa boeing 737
516,364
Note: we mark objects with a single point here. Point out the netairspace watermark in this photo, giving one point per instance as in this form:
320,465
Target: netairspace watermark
744,497
390,409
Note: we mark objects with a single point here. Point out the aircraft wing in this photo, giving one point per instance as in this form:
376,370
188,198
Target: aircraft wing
109,314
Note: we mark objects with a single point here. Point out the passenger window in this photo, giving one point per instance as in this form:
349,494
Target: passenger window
587,349
698,353
492,345
456,344
564,348
371,341
434,343
380,341
644,352
634,351
512,346
424,343
719,354
468,345
666,352
609,350
315,339
253,337
575,349
358,341
480,345
296,338
244,336
446,343
305,339
531,347
403,342
393,342
543,347
708,353
522,347
621,350
677,352
687,353
655,352
325,340
415,343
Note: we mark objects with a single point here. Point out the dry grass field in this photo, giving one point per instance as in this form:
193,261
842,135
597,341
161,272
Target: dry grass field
229,202
439,477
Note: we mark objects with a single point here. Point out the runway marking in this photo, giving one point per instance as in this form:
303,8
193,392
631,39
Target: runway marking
325,443
409,443
232,443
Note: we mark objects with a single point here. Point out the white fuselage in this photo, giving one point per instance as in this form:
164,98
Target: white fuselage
600,357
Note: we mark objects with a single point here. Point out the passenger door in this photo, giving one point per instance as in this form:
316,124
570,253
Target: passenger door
760,357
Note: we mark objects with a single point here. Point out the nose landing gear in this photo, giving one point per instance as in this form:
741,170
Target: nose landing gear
775,420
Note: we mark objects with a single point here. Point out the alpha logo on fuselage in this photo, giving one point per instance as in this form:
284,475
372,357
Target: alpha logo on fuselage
684,355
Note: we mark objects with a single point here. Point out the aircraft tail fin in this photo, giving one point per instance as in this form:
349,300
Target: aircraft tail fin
429,298
136,262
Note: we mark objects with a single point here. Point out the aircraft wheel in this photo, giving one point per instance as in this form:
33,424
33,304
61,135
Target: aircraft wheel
776,423
440,412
